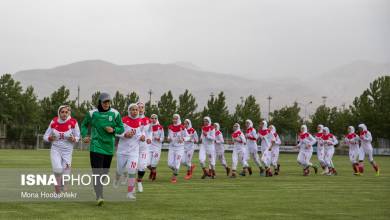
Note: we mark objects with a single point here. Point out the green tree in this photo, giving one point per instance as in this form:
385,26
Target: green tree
248,110
119,102
287,120
217,109
166,108
187,105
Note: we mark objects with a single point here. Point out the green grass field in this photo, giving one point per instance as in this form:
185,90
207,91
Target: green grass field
288,196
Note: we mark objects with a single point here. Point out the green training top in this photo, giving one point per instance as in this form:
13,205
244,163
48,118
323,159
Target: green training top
101,141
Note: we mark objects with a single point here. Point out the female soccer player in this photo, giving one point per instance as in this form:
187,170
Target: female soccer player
105,123
189,147
239,150
276,142
62,132
366,148
144,145
329,142
177,134
320,148
305,145
207,148
220,148
128,149
157,132
352,140
265,138
251,138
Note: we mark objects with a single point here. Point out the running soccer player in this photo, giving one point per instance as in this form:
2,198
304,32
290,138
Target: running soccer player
305,145
366,148
207,148
62,133
265,138
239,150
144,145
276,142
177,134
352,140
329,142
128,150
220,148
189,147
320,148
157,132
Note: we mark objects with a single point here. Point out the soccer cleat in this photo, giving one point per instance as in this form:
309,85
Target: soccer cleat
189,175
243,173
234,175
100,202
205,173
250,171
278,168
262,172
377,172
131,196
140,188
174,179
356,174
151,175
116,183
315,169
154,175
192,168
227,171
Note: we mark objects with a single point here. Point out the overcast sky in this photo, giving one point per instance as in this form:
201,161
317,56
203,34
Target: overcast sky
248,38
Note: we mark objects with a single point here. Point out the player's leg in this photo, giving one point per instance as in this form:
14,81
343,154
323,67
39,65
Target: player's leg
142,164
154,162
178,155
210,150
369,151
234,162
56,164
188,154
202,161
320,156
131,166
361,159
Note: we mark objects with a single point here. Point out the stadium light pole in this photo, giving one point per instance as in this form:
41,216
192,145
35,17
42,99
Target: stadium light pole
150,92
269,106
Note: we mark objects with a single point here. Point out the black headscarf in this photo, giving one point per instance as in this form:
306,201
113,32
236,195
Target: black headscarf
100,107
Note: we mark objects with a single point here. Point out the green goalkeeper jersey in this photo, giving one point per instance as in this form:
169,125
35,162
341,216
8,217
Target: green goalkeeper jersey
101,141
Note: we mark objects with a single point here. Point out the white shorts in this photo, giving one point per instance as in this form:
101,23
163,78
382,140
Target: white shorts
329,151
188,154
209,152
321,154
127,163
143,156
239,155
366,150
274,155
175,155
304,157
154,156
61,160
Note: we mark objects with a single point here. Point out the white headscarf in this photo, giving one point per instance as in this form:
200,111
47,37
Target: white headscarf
189,123
178,119
238,127
58,114
250,123
272,128
157,122
128,110
265,125
138,104
304,127
208,119
321,128
351,129
326,130
217,126
363,126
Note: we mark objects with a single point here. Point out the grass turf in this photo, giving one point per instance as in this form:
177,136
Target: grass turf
288,196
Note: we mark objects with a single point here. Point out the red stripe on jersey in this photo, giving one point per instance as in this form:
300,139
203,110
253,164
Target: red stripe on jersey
264,132
191,130
157,127
207,128
63,127
236,134
145,121
131,122
351,136
176,128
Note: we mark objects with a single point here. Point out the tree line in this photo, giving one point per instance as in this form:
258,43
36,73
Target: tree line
26,116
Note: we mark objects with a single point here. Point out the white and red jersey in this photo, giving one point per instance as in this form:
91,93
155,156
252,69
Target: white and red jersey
157,134
318,137
145,126
365,139
329,140
276,139
208,135
177,133
238,138
62,131
219,141
306,141
251,136
352,140
127,145
265,137
192,136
